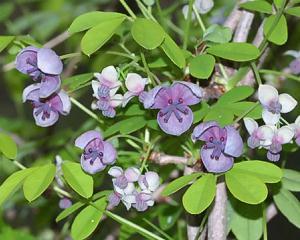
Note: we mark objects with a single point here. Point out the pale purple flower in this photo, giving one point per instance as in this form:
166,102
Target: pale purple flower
135,85
65,203
275,141
295,64
202,7
149,181
143,200
175,117
221,146
121,178
46,111
105,88
274,104
258,135
97,153
296,127
41,64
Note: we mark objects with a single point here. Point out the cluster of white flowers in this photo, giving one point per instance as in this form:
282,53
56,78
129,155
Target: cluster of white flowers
273,135
132,188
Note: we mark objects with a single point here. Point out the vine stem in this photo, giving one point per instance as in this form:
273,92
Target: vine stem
187,25
202,26
128,9
86,110
277,73
126,136
246,112
256,73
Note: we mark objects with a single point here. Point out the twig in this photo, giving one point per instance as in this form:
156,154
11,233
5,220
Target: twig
163,159
243,27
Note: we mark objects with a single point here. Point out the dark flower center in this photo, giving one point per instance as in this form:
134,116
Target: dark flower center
43,108
274,107
218,146
34,71
93,151
174,107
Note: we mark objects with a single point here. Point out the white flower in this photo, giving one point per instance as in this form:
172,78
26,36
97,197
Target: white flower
149,181
202,6
274,104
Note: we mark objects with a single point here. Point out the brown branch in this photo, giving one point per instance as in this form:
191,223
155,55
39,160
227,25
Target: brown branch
163,159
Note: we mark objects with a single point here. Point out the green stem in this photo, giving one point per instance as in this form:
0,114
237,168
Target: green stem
128,9
120,54
246,112
277,73
202,26
19,165
147,155
145,11
86,110
62,192
147,68
285,121
126,136
70,55
256,73
187,25
157,229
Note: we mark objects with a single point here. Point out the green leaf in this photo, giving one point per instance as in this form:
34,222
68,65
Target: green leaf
68,211
278,3
12,183
236,94
219,114
76,82
134,110
265,171
201,113
257,6
179,183
202,66
247,222
291,180
147,33
92,19
240,52
173,51
240,108
294,11
288,205
97,36
217,34
8,146
245,187
279,35
79,181
4,41
87,220
168,216
200,195
38,181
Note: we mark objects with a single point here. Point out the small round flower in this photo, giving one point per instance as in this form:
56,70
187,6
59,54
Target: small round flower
46,111
65,203
221,145
97,153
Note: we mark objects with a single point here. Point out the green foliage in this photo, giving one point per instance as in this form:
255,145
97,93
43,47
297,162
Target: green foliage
217,34
8,146
68,211
294,11
236,94
76,82
247,188
258,5
147,33
291,180
4,41
88,219
38,181
78,180
288,205
279,34
239,52
199,196
168,216
202,66
179,183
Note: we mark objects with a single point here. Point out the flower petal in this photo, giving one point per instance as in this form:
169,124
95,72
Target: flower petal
149,100
204,6
49,62
295,66
127,97
287,102
86,137
285,134
135,83
95,86
198,133
132,174
173,126
28,53
109,75
97,165
45,122
265,133
49,85
250,124
32,93
273,157
116,100
270,118
190,93
234,142
267,94
128,200
109,153
115,171
223,164
152,179
297,121
66,102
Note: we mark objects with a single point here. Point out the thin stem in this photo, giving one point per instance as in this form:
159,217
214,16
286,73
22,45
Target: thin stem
86,110
145,11
62,192
277,73
70,55
157,229
187,25
147,68
128,9
246,112
285,121
202,26
265,222
126,136
120,54
19,165
147,155
201,227
256,73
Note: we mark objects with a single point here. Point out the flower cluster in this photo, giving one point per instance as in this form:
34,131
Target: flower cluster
202,7
46,97
133,189
97,153
270,136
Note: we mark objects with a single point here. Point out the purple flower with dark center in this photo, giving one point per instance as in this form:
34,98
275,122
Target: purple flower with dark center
46,111
41,65
295,66
65,203
97,152
175,117
221,145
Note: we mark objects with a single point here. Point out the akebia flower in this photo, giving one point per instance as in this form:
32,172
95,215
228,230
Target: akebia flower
274,104
135,85
221,145
295,64
296,127
41,65
105,88
46,111
123,178
143,200
97,153
149,181
65,203
175,117
202,7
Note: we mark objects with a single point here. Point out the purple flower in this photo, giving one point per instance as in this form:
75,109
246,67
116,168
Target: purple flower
41,64
97,152
143,200
105,88
296,127
221,145
123,178
65,203
295,66
46,111
149,181
174,117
